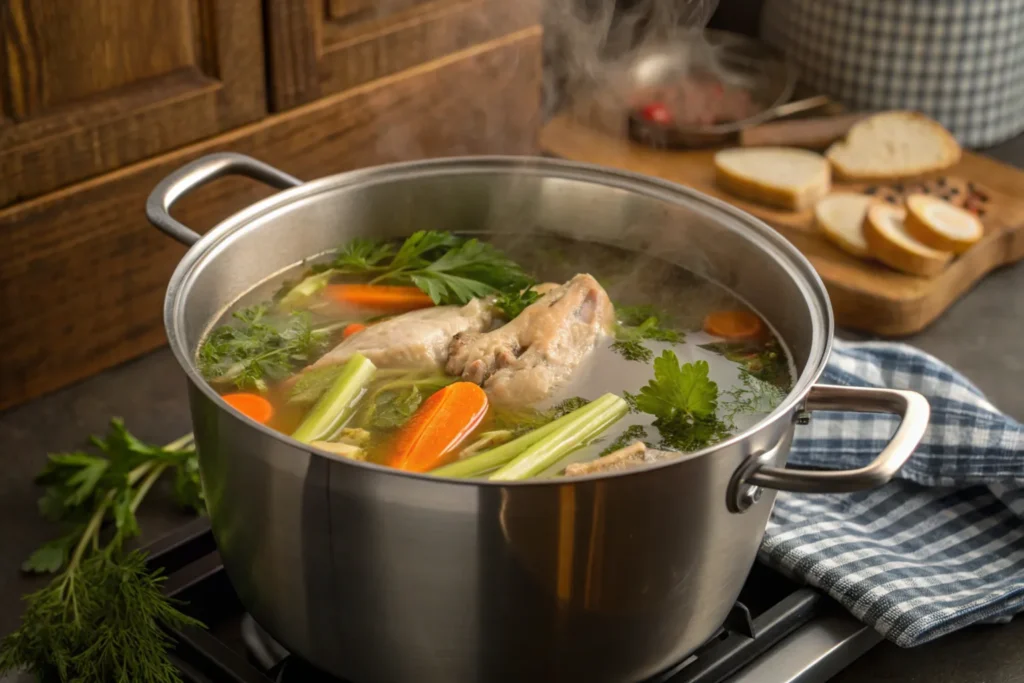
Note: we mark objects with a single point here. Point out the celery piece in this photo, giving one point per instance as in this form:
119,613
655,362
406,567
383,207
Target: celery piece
496,457
338,403
300,294
556,445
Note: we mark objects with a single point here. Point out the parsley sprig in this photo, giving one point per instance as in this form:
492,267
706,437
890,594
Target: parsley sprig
449,268
102,616
683,401
512,303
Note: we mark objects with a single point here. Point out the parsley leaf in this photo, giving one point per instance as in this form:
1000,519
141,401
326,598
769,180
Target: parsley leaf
683,401
678,391
511,304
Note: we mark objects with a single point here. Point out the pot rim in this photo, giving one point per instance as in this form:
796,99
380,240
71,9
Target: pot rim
803,273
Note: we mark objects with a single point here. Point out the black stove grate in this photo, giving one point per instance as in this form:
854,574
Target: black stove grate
234,650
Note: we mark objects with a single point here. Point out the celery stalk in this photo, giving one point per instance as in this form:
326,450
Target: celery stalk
566,438
496,457
338,403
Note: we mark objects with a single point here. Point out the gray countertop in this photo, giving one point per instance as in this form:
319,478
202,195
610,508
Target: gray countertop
981,335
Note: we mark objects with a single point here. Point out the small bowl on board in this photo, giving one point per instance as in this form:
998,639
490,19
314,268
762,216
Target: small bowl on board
738,63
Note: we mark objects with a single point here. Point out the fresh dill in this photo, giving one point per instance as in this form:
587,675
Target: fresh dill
629,435
102,617
636,324
256,347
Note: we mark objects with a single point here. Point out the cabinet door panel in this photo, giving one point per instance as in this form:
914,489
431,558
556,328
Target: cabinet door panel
91,85
319,47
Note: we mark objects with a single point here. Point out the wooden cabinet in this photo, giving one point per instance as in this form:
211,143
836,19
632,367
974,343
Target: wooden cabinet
93,85
320,47
100,99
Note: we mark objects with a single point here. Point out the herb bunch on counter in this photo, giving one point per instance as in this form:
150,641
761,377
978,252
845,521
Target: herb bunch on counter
101,619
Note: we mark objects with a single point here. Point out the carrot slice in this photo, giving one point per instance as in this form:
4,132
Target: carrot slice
253,406
441,423
733,324
386,297
351,329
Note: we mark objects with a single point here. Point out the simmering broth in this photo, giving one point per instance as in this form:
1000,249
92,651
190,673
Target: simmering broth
522,358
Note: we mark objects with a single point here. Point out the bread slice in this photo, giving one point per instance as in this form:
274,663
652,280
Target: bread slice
889,242
785,177
940,225
840,217
897,144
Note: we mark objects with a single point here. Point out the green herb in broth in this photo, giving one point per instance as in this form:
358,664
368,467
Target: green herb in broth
522,421
511,304
751,397
632,433
683,401
636,324
391,403
257,348
765,361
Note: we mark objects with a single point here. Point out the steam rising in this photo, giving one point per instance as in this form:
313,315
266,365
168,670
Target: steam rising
591,46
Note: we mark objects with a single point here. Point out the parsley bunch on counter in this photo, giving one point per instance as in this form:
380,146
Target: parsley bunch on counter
102,616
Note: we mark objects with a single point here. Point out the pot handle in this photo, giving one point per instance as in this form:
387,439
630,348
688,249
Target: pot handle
911,406
196,174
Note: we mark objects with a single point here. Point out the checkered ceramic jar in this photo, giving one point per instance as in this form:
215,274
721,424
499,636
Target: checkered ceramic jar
958,61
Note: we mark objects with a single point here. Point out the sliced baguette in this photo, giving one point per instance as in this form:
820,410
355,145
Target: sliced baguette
897,144
785,177
940,225
840,217
889,242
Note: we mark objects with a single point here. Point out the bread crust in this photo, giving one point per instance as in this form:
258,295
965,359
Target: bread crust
925,262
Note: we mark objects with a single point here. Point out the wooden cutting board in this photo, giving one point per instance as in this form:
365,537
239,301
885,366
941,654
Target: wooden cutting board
865,295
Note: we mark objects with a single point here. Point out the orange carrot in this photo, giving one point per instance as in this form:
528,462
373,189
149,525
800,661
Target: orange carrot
351,329
385,297
733,325
253,406
429,438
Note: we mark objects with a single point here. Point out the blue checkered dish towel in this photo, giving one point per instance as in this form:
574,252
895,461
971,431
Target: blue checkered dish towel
935,550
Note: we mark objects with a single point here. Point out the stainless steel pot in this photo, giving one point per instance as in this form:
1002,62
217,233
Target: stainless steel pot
375,575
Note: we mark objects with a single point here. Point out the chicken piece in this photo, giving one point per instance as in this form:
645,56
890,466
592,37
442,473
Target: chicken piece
633,455
527,359
417,340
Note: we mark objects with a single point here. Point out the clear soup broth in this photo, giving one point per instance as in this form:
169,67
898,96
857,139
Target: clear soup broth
510,359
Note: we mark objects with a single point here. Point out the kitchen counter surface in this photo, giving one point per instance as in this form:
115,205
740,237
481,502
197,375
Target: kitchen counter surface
981,336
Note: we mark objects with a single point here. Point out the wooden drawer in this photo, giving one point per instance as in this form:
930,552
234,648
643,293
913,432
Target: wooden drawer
87,86
319,47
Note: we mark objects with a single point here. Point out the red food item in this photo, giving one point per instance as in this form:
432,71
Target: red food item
656,112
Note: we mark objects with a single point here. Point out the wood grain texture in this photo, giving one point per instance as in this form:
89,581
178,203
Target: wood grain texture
84,274
865,295
92,85
318,49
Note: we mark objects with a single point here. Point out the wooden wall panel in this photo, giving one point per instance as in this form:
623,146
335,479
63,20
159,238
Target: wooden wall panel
83,274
